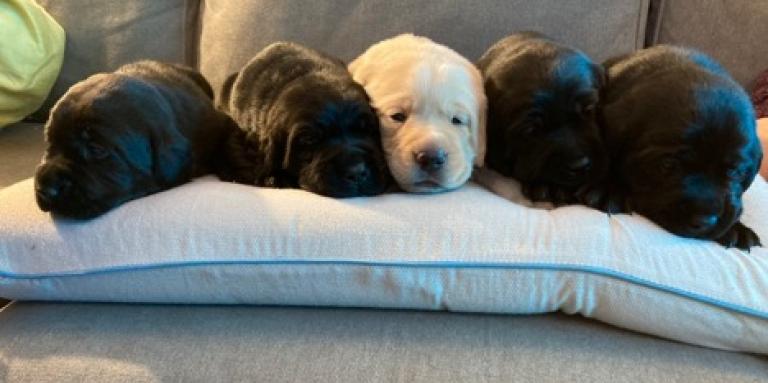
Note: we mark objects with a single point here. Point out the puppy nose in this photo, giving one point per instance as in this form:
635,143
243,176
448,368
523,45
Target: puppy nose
580,164
357,174
431,160
51,188
703,222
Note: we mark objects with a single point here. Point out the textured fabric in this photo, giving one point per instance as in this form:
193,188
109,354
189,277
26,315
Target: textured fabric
31,52
103,35
234,30
732,31
63,343
21,147
467,250
760,95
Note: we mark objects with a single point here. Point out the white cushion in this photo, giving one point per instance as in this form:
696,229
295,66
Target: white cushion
466,250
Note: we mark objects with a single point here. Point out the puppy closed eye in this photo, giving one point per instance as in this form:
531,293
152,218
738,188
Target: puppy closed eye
531,123
398,117
92,151
588,109
458,121
669,165
366,127
308,139
97,151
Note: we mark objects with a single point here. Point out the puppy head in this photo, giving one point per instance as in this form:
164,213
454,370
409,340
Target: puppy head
688,173
109,140
542,117
432,108
326,144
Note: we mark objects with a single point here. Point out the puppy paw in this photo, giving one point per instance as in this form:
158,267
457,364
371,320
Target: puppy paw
548,193
740,237
535,193
594,197
604,199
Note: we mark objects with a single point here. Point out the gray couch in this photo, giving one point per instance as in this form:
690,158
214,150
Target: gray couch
75,342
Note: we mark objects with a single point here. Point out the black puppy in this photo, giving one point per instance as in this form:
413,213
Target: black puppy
683,143
118,136
305,124
541,116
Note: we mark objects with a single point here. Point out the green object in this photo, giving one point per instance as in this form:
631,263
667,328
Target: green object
31,53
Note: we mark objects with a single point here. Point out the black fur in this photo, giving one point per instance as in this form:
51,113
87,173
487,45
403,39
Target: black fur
541,129
119,136
304,124
683,144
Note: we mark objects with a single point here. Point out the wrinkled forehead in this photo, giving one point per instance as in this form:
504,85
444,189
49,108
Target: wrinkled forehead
101,100
423,83
723,109
574,70
99,95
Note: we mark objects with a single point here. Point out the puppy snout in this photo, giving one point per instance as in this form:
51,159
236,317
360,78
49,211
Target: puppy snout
50,186
431,160
579,165
357,173
703,222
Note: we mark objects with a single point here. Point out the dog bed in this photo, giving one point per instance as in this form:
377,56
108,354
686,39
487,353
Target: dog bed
466,250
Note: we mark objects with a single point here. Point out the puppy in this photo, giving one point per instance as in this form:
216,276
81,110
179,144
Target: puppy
432,111
304,124
683,144
542,98
114,137
762,133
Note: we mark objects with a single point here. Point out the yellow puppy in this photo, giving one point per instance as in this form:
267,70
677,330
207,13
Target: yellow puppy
432,108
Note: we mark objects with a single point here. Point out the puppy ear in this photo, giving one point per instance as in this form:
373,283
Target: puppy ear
170,153
235,159
360,69
354,68
599,76
225,94
196,77
479,129
153,142
273,146
170,150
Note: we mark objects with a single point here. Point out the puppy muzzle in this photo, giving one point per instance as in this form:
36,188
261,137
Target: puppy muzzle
52,185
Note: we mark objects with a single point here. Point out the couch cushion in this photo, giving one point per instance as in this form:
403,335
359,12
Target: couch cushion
21,147
733,32
103,35
234,30
62,343
466,250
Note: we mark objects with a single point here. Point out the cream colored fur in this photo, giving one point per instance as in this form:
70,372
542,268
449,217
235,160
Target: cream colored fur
431,85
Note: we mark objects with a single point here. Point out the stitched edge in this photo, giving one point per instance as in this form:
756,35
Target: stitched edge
592,270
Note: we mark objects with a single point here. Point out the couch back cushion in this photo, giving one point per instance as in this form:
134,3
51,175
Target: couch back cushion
733,32
232,31
103,35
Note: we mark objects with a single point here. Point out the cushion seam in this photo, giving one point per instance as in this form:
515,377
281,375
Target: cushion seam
591,270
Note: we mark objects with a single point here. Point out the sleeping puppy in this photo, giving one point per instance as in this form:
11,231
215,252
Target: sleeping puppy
304,124
114,137
683,145
431,107
542,98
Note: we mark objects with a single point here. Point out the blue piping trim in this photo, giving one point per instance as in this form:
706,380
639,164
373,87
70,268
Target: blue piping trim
412,264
